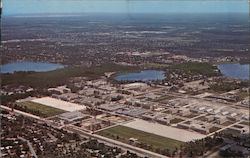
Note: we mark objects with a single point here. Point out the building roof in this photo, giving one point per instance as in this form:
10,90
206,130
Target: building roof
72,116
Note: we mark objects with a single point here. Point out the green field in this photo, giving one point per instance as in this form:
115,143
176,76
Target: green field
157,143
38,109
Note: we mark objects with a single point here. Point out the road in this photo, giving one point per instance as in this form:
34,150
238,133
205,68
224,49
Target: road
30,146
21,112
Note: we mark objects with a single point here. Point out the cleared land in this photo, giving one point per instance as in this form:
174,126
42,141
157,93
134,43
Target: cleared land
39,109
60,104
164,131
156,142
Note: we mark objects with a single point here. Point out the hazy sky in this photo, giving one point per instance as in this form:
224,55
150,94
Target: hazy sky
13,7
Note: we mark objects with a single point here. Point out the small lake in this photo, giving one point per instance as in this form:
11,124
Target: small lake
29,66
145,75
238,71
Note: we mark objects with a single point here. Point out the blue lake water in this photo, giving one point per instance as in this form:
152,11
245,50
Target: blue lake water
146,75
239,71
29,66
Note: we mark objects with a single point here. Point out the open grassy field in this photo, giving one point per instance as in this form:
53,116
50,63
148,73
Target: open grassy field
38,109
123,134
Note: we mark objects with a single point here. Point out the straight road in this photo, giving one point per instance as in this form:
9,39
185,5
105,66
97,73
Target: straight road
21,112
30,146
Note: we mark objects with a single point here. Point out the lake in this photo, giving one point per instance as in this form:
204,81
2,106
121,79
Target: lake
29,66
238,71
145,75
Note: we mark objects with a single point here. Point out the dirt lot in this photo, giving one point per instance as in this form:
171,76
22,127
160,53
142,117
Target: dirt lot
59,104
165,131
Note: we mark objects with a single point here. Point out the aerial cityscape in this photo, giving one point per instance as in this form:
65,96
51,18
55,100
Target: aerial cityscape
124,79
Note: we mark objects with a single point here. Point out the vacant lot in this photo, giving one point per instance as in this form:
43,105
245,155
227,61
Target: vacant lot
151,141
39,109
59,104
164,131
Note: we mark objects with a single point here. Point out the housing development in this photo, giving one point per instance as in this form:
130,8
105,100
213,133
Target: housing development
119,86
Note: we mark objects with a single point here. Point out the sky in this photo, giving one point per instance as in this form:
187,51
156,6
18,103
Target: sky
17,7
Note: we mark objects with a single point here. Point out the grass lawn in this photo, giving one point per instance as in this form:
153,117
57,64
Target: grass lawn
213,129
39,109
227,123
176,120
245,123
123,134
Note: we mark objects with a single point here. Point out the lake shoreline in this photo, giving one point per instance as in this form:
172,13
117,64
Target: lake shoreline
234,70
29,66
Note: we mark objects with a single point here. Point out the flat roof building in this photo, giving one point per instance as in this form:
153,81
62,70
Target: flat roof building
111,107
73,116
